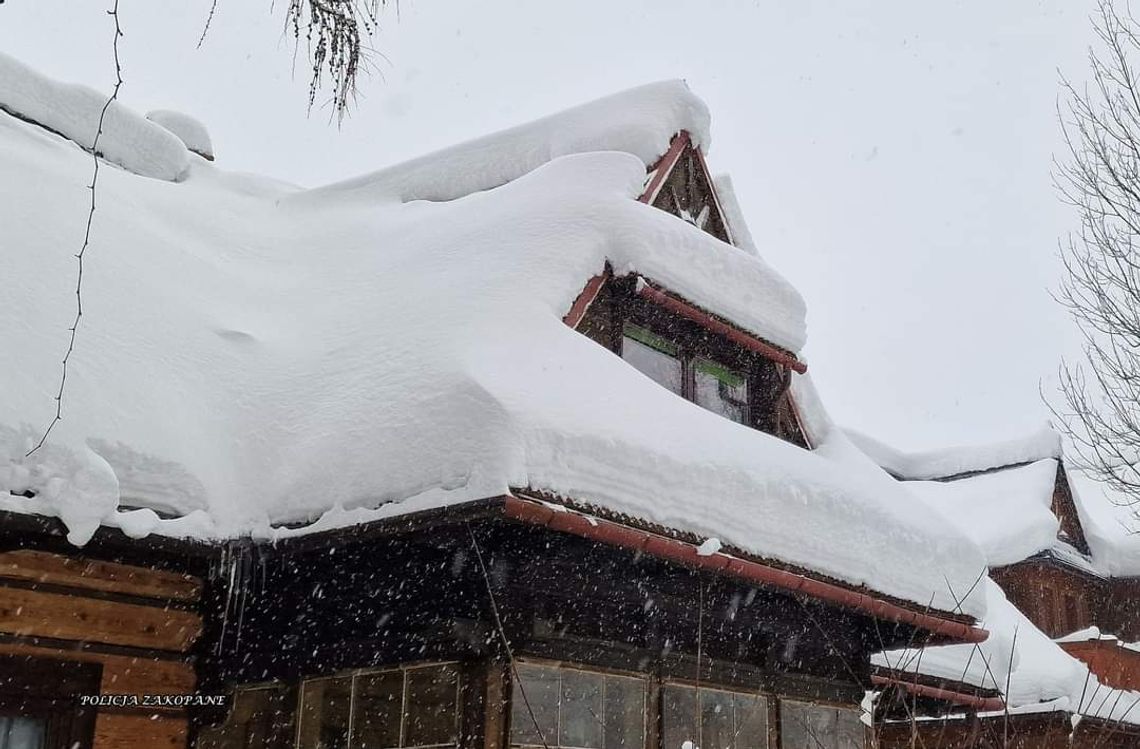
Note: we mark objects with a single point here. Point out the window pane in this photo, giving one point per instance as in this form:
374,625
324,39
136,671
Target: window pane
806,726
17,732
751,726
540,685
259,718
432,706
679,717
376,716
716,719
851,734
624,713
653,357
324,713
722,390
580,718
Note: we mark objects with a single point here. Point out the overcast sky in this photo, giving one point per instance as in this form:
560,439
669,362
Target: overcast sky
893,158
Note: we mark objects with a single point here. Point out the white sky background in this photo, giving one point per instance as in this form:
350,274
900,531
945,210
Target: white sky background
892,158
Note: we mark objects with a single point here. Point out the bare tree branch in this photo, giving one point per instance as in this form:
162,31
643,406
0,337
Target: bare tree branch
1100,124
58,416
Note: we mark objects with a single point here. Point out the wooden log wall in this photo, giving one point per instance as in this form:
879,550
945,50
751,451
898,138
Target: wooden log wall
137,624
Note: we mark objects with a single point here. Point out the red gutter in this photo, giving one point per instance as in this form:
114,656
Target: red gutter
708,322
569,521
665,165
981,704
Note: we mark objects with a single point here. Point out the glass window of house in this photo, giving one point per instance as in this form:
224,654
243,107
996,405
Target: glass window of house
325,710
653,356
721,390
379,704
405,708
712,719
22,732
577,709
805,725
431,707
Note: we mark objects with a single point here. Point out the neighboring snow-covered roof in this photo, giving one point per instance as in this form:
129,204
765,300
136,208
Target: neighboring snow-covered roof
953,461
1006,512
73,111
1031,671
253,354
1111,523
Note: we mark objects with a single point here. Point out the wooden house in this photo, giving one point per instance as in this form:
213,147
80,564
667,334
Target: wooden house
525,617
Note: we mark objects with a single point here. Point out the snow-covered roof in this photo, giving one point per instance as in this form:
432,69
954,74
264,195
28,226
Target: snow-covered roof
1111,523
74,111
1031,671
954,461
1001,495
1007,512
253,354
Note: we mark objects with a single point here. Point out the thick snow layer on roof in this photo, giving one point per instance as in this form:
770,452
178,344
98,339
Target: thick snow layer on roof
190,131
252,355
73,111
640,121
733,214
1006,512
952,461
1111,523
1031,671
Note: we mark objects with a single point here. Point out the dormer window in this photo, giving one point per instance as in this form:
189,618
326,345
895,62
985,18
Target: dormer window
702,363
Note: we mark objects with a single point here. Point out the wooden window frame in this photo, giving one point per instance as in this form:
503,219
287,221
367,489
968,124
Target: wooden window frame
647,706
813,703
403,669
769,410
771,700
48,689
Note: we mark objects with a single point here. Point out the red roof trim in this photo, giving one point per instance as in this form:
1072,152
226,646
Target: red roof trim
981,704
585,526
710,323
587,296
664,166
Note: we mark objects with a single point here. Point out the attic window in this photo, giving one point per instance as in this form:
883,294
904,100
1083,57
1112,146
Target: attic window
708,383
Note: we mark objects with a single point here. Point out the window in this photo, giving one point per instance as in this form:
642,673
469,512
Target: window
21,732
259,718
394,709
710,384
721,390
805,725
579,709
712,719
654,357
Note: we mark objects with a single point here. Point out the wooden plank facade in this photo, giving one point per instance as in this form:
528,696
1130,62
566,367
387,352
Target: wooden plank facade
113,627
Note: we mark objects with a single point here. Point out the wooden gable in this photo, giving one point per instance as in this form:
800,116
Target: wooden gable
680,184
1065,510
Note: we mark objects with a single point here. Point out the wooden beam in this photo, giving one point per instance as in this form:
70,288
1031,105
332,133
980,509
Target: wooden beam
29,613
107,577
129,731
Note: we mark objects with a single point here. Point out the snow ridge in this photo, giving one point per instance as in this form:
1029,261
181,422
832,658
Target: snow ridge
73,111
